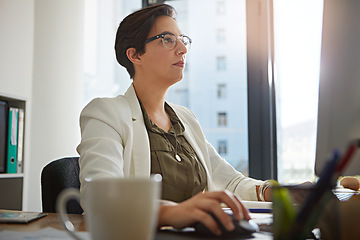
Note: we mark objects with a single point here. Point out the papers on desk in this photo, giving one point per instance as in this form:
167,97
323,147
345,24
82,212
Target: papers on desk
258,207
19,217
344,194
255,206
43,234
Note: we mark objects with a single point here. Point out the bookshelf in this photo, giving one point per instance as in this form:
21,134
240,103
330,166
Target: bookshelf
11,184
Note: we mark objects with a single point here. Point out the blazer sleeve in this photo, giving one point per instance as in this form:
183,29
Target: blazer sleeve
103,136
223,175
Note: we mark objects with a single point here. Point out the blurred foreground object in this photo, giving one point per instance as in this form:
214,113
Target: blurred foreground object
352,183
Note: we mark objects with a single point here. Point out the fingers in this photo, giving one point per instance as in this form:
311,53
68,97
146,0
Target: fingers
209,222
197,209
188,213
233,202
224,218
245,211
212,201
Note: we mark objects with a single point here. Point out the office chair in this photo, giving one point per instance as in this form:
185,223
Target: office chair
57,176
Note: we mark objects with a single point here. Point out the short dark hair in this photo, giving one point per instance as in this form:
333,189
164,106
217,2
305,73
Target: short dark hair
133,32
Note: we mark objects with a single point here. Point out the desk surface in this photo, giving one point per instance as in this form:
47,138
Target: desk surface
52,220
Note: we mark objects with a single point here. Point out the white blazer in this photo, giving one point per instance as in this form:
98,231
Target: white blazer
115,143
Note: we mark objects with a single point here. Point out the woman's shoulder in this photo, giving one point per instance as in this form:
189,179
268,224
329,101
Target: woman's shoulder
107,102
107,106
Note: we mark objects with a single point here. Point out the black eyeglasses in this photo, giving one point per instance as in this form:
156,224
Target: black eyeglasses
169,40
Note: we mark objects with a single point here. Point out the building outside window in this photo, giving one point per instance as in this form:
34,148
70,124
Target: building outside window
220,35
221,63
222,147
221,91
222,119
220,7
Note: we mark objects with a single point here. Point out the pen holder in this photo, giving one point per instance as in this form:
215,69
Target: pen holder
340,219
284,212
295,211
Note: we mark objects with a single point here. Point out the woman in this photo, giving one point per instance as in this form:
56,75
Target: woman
139,133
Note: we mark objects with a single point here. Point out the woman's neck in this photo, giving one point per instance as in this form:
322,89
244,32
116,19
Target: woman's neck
152,98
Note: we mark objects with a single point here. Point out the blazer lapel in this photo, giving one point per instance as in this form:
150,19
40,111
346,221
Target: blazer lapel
141,147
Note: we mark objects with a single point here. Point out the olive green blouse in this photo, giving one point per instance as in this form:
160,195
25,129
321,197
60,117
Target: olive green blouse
182,176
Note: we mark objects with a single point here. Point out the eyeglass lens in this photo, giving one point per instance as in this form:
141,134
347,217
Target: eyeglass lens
170,41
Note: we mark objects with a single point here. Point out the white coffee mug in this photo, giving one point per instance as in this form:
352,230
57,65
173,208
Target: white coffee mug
125,208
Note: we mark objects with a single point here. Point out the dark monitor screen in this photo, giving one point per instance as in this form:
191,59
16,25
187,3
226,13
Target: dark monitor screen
339,89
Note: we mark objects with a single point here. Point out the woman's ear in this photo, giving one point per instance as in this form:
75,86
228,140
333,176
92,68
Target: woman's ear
133,56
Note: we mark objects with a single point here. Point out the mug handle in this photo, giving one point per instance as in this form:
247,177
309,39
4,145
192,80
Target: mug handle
63,198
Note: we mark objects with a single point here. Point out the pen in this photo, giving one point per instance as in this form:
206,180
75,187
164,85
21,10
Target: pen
260,210
350,151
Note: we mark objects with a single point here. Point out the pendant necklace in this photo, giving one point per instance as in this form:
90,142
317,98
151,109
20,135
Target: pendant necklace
177,157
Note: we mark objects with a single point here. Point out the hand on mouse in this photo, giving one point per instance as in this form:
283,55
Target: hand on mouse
196,209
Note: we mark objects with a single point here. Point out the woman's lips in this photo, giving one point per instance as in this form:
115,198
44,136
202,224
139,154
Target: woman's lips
179,64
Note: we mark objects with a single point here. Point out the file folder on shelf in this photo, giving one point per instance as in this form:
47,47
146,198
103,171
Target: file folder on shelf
20,141
4,111
11,165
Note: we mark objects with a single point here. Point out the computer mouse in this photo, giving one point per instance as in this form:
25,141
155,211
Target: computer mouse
242,227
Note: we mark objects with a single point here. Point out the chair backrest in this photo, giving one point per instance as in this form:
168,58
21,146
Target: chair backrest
57,176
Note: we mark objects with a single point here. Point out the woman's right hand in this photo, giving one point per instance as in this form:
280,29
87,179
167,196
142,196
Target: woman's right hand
197,208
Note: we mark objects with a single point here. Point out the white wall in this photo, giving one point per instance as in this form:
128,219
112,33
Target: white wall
16,56
41,61
16,47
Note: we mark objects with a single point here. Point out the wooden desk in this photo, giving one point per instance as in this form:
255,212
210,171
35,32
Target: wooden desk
52,220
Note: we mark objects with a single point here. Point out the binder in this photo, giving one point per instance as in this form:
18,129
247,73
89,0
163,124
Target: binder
11,165
4,111
20,141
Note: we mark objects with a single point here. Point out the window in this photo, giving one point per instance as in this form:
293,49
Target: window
221,91
202,76
222,119
221,63
103,76
220,35
297,64
222,147
220,7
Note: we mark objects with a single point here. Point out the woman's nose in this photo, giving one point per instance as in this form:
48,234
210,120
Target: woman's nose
181,48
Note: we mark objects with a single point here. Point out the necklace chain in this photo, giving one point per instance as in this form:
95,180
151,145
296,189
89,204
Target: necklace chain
177,157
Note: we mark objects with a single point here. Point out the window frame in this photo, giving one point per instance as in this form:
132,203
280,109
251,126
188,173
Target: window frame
261,90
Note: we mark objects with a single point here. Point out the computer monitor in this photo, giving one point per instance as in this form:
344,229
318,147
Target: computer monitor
339,89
